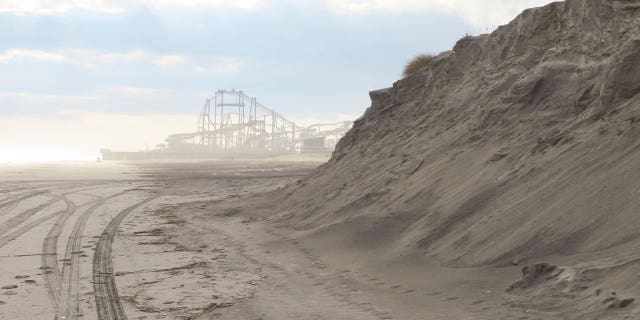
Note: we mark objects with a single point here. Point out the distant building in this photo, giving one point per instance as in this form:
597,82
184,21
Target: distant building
314,145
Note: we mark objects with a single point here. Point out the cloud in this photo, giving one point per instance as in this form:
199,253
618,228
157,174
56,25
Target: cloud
15,54
211,4
45,96
83,57
53,7
219,65
222,68
170,60
93,59
479,13
138,91
58,7
128,90
97,57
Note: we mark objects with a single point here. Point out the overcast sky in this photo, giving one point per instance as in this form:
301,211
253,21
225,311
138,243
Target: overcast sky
79,75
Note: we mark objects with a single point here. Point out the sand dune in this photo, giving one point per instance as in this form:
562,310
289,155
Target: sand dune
499,182
516,147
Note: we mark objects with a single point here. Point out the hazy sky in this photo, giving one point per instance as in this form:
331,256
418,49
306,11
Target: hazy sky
79,75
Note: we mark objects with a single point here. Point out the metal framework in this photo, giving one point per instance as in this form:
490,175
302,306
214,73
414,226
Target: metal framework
331,133
231,121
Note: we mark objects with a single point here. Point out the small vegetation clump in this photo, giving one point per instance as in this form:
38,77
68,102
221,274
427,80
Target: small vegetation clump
416,64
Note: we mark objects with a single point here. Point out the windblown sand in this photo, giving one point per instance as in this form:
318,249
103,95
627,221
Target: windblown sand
197,241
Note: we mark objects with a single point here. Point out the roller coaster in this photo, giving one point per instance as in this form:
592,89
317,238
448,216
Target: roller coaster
233,122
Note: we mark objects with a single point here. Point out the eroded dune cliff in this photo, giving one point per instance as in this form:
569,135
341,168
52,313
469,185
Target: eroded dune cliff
518,144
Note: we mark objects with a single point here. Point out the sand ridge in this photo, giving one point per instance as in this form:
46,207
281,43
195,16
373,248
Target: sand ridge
514,148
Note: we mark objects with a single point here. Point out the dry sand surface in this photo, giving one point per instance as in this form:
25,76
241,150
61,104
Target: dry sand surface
195,240
516,147
499,182
115,241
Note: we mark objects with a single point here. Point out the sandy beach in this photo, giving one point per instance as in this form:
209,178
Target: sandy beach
196,240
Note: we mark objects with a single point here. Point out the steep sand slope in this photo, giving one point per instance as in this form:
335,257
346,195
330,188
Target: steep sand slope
515,146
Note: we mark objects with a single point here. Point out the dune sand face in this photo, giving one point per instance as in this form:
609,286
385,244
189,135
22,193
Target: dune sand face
197,241
516,147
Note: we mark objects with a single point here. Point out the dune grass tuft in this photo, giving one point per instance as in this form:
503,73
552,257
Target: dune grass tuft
417,63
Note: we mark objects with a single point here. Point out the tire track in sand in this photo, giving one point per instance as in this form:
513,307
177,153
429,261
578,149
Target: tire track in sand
71,265
21,198
24,229
52,273
108,303
25,215
49,252
50,259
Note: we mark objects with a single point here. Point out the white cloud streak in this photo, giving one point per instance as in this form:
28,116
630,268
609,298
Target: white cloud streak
87,58
93,59
220,65
479,13
47,97
129,90
210,4
58,7
145,91
15,54
171,60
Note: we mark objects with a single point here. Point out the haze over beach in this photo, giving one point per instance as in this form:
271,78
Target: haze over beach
330,159
76,76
